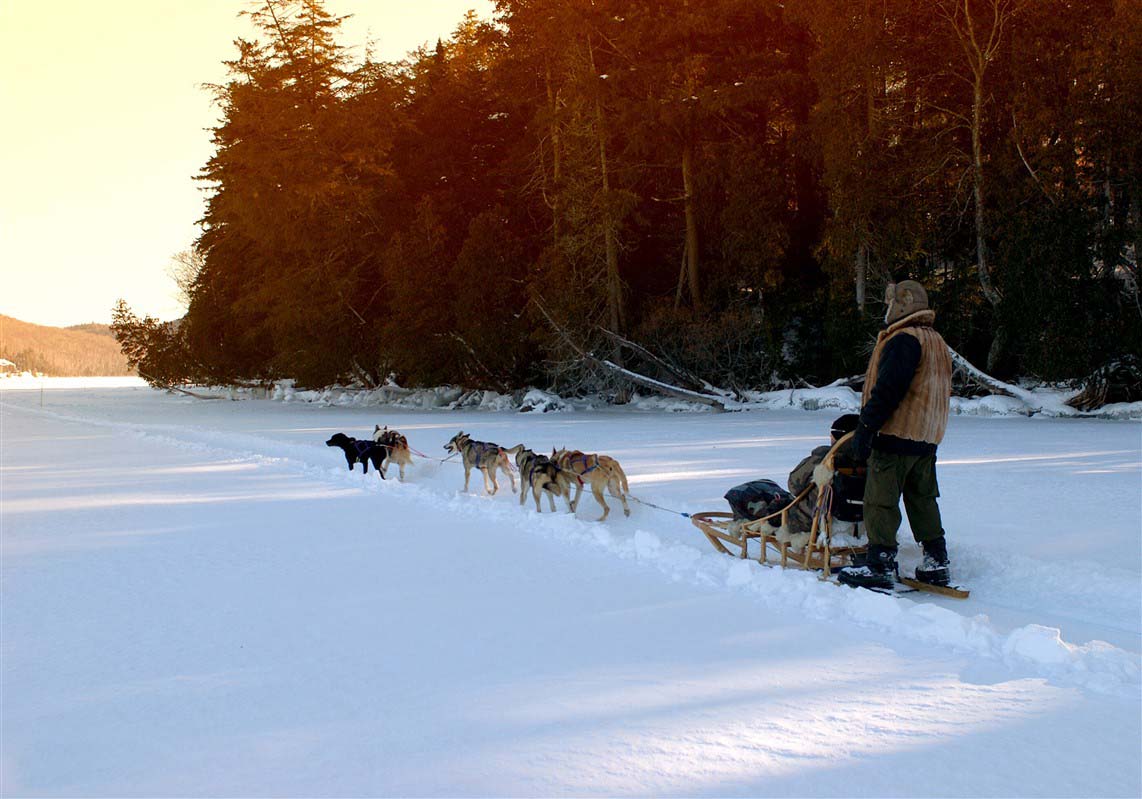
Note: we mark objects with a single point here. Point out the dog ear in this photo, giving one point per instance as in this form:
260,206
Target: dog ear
376,427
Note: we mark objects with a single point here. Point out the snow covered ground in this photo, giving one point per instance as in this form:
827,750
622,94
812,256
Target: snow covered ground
199,599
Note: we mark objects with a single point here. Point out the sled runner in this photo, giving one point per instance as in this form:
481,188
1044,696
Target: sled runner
726,531
909,585
953,591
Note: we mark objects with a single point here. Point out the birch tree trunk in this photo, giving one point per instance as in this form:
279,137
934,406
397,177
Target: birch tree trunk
980,45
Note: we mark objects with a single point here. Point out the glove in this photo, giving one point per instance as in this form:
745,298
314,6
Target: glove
862,442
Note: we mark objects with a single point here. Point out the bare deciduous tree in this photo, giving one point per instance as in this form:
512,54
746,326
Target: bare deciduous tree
978,27
184,269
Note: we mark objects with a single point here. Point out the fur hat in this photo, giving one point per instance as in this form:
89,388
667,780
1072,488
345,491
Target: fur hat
904,298
844,424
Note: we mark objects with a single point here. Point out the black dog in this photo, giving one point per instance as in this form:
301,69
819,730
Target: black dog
360,451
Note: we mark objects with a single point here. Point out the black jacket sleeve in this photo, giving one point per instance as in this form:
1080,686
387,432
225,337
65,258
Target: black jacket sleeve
898,364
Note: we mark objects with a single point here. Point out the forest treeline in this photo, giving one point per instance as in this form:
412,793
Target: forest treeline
76,351
729,184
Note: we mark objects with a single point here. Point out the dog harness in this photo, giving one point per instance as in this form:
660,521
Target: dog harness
483,449
364,447
585,460
392,438
533,463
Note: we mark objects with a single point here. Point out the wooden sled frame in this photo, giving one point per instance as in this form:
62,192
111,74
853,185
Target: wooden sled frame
818,555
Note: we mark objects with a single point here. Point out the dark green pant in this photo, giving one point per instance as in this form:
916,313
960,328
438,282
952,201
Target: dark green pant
889,476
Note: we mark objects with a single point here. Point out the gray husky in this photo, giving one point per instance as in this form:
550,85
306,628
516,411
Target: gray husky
483,455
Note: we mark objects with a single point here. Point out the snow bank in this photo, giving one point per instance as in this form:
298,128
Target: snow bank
1046,401
443,397
542,401
841,398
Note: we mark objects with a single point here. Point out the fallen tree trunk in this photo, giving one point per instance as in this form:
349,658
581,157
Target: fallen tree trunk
996,386
689,381
174,388
634,377
659,386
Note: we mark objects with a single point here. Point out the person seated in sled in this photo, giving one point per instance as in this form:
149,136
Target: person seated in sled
847,478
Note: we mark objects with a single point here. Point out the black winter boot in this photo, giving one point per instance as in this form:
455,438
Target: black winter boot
878,570
934,569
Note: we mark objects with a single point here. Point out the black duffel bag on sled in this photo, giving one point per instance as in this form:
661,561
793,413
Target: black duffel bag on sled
756,499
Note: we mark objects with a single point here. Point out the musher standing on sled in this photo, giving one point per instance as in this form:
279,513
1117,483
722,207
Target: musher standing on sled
904,413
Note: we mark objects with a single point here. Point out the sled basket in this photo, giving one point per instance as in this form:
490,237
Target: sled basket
732,536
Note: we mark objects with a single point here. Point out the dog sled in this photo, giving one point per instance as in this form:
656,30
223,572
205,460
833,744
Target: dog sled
838,500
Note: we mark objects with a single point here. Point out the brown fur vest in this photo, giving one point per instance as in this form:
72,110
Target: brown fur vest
923,413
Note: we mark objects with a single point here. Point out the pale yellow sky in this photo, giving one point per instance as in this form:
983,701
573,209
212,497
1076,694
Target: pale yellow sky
104,127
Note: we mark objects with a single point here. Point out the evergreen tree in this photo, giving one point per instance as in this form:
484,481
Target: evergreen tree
728,181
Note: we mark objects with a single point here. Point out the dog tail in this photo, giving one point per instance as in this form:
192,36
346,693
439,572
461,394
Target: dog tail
622,477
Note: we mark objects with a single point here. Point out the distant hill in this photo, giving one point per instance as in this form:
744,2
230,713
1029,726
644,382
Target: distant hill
92,327
78,351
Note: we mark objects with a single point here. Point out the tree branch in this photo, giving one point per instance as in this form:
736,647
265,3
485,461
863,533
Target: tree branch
633,377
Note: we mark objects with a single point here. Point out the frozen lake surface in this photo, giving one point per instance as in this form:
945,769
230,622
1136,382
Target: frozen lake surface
199,599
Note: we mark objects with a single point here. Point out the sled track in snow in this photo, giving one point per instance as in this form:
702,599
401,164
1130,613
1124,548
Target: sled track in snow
1030,649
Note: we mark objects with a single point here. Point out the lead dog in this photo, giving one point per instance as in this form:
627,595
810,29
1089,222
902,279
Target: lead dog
360,451
543,475
398,448
483,455
601,471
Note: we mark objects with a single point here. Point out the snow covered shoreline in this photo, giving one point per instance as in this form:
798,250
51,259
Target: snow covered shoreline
1049,401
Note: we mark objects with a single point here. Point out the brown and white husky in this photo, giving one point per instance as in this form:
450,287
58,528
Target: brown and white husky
601,471
398,448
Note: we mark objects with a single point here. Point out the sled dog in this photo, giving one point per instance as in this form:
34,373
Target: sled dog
483,455
397,445
542,475
601,471
360,451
